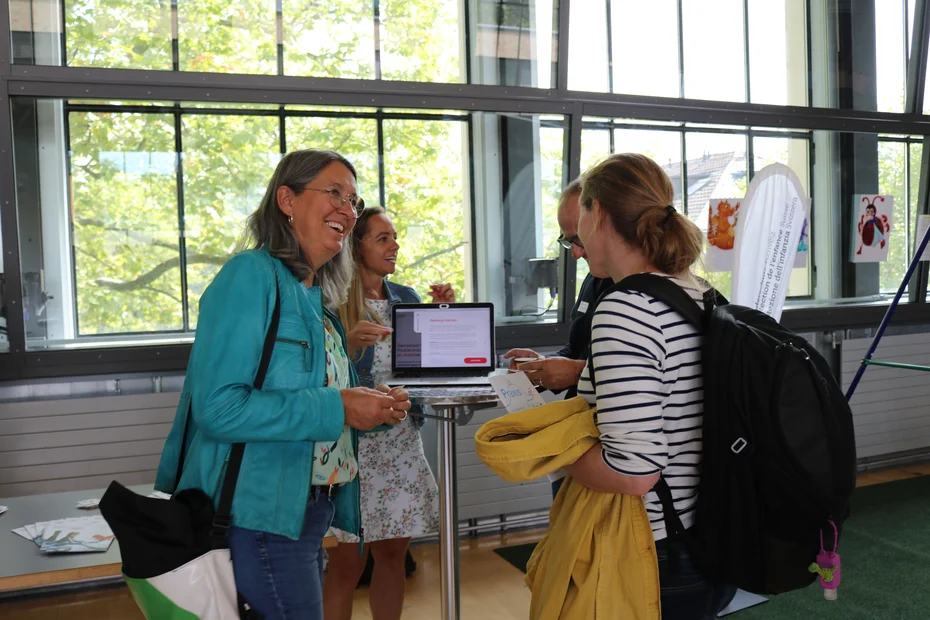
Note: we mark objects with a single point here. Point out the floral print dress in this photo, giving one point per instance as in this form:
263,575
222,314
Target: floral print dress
334,461
399,497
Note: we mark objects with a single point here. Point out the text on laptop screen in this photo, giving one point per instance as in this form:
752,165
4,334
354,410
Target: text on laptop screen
443,338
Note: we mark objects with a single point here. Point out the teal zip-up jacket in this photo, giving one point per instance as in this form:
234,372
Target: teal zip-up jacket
279,423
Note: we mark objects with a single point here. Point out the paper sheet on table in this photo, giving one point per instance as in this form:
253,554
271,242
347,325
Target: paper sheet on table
76,535
21,531
515,391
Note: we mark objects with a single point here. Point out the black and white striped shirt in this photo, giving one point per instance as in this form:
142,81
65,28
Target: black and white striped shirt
649,394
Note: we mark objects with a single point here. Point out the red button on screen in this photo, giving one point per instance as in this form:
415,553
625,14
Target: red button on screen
476,360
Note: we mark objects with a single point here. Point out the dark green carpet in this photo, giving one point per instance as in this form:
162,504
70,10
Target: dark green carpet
886,561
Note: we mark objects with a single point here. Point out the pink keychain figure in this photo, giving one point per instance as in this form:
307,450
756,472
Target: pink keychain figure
827,567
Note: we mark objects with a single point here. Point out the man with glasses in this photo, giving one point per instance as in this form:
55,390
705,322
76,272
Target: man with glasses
561,371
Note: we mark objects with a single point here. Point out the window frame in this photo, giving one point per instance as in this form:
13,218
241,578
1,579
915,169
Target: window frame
128,84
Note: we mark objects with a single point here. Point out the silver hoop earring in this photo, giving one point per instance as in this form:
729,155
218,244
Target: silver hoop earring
290,219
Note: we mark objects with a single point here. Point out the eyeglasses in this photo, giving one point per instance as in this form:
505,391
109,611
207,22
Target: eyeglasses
336,199
568,242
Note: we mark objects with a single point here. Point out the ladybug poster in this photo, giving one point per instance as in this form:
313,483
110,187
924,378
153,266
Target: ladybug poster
872,228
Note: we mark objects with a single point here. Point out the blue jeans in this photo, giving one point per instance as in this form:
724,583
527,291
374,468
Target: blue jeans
282,579
685,593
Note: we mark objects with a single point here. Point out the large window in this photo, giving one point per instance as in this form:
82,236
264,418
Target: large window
519,176
712,49
705,163
129,210
144,132
125,233
512,42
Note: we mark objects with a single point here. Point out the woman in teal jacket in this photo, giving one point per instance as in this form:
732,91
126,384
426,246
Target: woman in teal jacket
299,471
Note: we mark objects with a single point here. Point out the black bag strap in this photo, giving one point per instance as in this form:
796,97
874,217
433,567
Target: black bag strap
665,290
258,382
222,520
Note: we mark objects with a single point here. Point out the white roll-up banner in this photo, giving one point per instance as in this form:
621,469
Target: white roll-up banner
768,232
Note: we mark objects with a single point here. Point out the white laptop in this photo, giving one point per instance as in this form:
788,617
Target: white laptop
442,345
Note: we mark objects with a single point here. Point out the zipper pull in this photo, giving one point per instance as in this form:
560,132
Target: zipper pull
302,343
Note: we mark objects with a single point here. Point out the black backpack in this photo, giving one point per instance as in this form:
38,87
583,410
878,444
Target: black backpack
779,461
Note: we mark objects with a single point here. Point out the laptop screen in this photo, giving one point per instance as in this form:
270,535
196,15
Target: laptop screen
443,336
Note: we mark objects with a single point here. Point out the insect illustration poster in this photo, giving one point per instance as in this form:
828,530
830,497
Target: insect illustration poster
871,228
721,234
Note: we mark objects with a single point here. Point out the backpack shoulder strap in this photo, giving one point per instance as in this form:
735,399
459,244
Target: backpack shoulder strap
668,292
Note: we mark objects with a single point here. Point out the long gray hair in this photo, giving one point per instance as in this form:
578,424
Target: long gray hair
268,226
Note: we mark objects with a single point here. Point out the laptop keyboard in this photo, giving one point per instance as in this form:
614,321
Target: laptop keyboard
449,392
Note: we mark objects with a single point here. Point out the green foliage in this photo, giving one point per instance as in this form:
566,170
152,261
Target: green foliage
126,207
891,181
125,168
227,163
227,36
118,34
425,167
125,222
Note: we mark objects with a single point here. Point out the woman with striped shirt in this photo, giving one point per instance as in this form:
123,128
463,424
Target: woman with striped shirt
647,360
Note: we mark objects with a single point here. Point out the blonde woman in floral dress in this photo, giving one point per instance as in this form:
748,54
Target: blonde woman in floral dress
399,497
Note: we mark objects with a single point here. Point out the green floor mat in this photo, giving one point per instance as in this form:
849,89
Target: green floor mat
517,555
886,561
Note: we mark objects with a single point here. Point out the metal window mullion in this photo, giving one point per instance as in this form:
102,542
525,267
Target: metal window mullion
562,46
175,36
466,16
64,38
684,172
69,197
575,127
15,323
382,190
917,62
182,235
809,56
282,130
907,201
750,156
376,13
610,48
473,188
681,52
6,47
746,73
917,287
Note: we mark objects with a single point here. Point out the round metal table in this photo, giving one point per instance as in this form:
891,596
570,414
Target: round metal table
450,408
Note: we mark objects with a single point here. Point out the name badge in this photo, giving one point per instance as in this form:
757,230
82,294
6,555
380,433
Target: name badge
583,307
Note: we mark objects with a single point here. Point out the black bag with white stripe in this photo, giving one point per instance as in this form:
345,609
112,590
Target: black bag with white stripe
779,455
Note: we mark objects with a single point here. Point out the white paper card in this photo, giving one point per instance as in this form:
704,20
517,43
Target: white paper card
583,307
515,391
21,531
3,509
